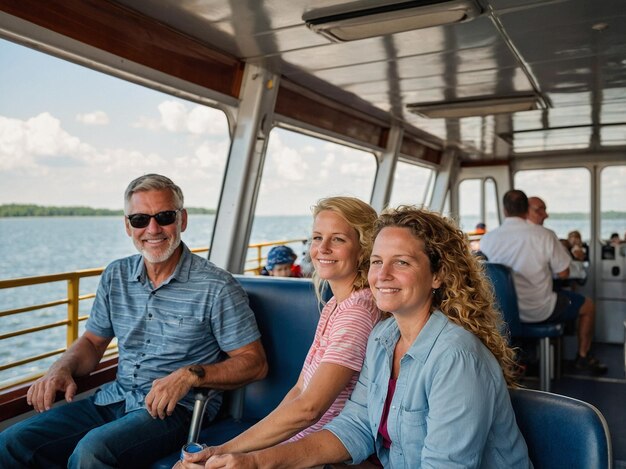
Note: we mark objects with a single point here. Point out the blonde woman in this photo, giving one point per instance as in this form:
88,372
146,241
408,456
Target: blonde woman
433,388
340,250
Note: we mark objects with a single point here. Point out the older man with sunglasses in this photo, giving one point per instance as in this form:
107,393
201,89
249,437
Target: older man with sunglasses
180,322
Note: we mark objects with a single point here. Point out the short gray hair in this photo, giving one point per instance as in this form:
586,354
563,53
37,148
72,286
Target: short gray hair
153,182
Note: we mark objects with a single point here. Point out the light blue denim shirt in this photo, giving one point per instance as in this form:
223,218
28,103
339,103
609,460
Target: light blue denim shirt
451,407
195,316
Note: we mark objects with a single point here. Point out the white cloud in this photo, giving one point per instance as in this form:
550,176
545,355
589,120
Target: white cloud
40,139
59,169
286,163
93,118
176,116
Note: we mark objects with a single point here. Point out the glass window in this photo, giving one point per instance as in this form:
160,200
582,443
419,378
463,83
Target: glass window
74,137
300,169
492,218
411,184
567,195
470,202
612,202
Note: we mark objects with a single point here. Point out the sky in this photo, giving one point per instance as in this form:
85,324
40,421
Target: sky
72,136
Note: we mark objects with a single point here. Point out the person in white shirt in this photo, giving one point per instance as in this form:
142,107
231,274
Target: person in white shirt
535,255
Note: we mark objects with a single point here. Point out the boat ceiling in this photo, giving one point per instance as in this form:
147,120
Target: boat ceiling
570,53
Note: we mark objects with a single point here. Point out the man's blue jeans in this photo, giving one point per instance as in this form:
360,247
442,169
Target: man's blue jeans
83,435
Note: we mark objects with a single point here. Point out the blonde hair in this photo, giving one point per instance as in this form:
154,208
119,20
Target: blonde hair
465,295
361,217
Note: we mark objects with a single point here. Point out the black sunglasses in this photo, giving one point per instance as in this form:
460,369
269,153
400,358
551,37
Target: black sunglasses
141,220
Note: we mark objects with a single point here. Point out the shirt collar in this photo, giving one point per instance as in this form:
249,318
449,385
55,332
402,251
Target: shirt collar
513,220
181,273
420,349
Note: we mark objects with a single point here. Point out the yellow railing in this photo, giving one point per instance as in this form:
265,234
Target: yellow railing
73,300
259,259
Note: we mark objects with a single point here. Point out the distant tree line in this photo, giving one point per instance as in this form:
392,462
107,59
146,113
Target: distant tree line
31,210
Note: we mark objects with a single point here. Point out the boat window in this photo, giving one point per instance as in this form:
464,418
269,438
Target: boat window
478,205
612,197
412,184
567,194
75,136
299,169
470,203
492,219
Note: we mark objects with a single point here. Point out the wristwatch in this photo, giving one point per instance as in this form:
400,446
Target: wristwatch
197,370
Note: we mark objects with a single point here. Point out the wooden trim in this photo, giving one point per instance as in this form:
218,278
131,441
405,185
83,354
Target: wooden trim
315,112
414,148
13,400
474,164
126,33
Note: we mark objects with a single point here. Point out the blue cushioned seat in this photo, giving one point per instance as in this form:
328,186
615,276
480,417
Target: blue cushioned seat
287,312
501,278
562,432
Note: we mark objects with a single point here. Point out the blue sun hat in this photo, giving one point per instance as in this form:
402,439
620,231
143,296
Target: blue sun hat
280,255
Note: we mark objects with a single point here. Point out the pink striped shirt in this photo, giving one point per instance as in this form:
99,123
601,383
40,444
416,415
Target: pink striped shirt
341,339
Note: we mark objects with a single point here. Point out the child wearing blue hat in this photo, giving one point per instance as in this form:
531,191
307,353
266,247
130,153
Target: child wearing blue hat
280,261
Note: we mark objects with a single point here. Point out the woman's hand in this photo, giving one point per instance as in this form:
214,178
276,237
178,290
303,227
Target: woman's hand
196,460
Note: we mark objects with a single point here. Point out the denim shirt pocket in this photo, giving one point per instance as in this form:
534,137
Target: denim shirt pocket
413,432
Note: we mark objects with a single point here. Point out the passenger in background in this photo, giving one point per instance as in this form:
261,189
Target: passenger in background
280,262
340,250
481,228
433,389
474,238
180,322
577,248
535,255
536,211
614,240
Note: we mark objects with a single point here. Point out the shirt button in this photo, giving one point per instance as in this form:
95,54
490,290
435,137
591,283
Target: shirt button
149,315
148,341
134,375
137,365
393,407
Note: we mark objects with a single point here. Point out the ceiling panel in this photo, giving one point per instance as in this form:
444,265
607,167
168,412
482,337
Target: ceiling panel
572,52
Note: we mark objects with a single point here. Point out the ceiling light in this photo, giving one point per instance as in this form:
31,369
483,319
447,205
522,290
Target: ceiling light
477,106
352,21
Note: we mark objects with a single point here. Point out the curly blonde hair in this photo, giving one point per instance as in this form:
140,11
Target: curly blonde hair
465,296
360,216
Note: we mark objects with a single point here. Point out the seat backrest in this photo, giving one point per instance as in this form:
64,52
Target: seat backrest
561,431
287,312
501,278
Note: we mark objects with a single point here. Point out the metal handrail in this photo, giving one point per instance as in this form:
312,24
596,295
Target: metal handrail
73,300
